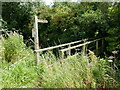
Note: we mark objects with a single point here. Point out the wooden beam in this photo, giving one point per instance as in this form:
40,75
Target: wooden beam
42,21
79,45
53,47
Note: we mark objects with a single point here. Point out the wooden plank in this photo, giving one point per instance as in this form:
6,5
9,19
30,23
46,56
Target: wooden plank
75,46
53,47
42,21
79,45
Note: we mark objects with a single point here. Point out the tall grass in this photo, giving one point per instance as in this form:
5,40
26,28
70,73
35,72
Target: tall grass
76,72
79,71
18,62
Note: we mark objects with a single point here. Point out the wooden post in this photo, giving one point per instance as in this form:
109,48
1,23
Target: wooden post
69,50
97,47
36,37
83,48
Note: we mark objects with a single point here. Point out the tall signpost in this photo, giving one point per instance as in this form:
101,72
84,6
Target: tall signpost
36,37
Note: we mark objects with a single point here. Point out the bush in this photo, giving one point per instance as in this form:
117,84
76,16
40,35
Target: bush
18,63
13,47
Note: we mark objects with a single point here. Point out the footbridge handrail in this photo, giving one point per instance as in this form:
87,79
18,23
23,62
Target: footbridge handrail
61,45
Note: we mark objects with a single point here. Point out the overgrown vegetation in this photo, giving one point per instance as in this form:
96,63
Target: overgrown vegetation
76,71
67,21
17,62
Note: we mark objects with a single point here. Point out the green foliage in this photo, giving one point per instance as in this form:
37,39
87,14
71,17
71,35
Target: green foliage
114,36
17,62
73,72
67,21
14,47
21,74
113,39
17,16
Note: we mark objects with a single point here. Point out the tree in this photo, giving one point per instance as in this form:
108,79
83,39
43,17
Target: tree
113,32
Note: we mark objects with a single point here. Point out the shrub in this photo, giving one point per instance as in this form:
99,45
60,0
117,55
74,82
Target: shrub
14,47
19,63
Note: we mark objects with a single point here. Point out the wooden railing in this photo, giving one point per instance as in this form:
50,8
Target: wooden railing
83,45
66,44
80,45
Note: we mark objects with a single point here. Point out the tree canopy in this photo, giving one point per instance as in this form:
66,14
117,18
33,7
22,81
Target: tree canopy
68,21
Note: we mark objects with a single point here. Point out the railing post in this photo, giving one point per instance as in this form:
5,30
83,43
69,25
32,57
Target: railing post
83,48
97,47
69,49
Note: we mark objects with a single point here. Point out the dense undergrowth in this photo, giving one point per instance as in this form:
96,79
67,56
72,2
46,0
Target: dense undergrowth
19,69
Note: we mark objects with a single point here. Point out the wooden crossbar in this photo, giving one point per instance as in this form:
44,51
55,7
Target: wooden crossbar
66,49
53,47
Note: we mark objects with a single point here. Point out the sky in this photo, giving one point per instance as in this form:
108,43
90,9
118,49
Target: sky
48,2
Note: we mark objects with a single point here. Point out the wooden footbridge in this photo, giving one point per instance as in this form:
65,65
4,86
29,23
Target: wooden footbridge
72,45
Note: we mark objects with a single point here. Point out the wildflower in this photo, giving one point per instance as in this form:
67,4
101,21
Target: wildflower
115,52
111,57
110,60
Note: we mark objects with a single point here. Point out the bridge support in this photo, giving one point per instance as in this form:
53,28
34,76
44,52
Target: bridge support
69,50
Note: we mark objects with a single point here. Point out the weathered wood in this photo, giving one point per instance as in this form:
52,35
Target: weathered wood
53,47
36,34
79,45
69,50
33,32
83,48
36,39
75,46
42,21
